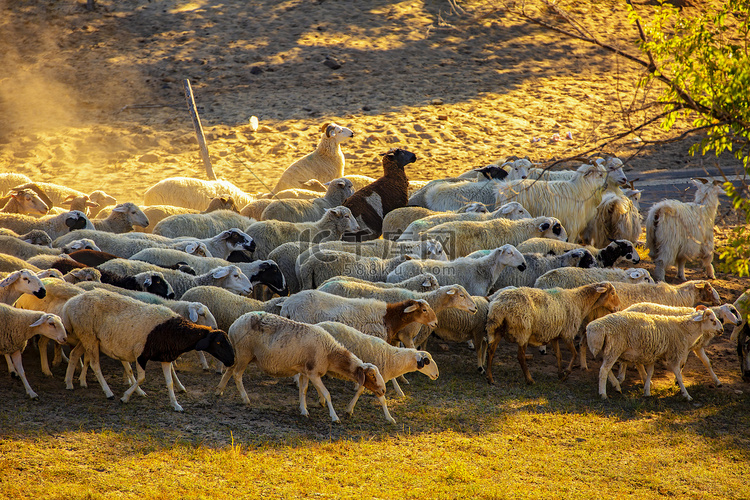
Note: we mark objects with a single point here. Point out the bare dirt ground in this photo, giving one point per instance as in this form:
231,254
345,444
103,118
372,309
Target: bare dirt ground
94,100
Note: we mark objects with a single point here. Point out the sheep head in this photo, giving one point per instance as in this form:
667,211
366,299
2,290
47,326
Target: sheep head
426,365
368,375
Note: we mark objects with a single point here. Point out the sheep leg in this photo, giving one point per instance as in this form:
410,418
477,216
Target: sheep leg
388,416
659,270
11,369
623,370
224,379
613,380
677,369
522,361
490,358
42,345
681,269
572,348
75,357
641,372
397,388
302,384
238,371
318,383
18,365
84,371
558,357
136,382
177,382
130,379
94,353
701,353
647,382
167,368
708,266
202,360
606,367
582,354
403,380
59,355
350,407
481,354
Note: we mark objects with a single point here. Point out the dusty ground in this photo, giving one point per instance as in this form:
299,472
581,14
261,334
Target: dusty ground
94,100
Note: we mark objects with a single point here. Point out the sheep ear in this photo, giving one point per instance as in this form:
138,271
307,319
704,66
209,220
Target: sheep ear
193,313
91,204
361,376
700,180
698,316
409,257
191,247
120,208
452,291
221,272
330,129
411,308
11,278
426,283
601,289
506,209
420,362
41,320
700,284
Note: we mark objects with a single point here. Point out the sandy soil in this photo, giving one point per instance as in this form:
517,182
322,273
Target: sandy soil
94,100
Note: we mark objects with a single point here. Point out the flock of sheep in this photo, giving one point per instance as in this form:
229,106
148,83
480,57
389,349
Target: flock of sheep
349,276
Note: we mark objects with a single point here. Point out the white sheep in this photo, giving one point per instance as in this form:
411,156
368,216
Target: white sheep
616,252
573,202
385,249
644,338
35,236
254,209
129,330
571,277
510,211
396,221
57,194
455,325
10,263
270,234
9,180
677,232
529,316
617,218
24,250
460,238
726,313
324,164
345,285
225,306
444,196
200,225
18,327
391,361
193,193
54,225
328,264
122,219
615,175
23,201
476,275
370,316
309,210
284,348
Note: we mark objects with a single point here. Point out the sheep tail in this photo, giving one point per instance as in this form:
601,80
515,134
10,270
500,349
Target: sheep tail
595,339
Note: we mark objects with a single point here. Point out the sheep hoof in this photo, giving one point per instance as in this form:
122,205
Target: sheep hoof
603,396
14,375
177,407
391,420
34,397
481,370
530,381
336,420
112,397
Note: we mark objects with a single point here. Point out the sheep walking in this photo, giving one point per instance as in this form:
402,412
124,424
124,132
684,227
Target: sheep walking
105,321
644,338
282,347
677,232
529,316
391,361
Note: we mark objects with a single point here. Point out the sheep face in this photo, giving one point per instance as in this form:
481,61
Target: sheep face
82,244
217,344
608,298
510,256
337,132
155,283
475,207
77,220
727,313
614,170
710,325
400,157
37,237
25,281
638,275
369,376
518,169
431,249
706,293
459,298
30,203
343,185
197,248
237,240
551,228
270,275
341,220
427,365
85,274
421,312
49,273
580,257
200,315
233,279
513,211
102,199
133,214
51,327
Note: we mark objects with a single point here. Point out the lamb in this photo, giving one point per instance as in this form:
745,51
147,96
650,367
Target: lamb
24,201
122,219
309,210
229,277
325,163
725,313
616,252
18,327
201,225
90,274
270,234
616,218
347,286
476,275
644,338
677,231
34,237
284,348
510,211
192,193
54,225
537,317
103,321
370,316
571,277
537,265
374,201
445,297
460,238
688,294
396,221
573,202
391,361
329,264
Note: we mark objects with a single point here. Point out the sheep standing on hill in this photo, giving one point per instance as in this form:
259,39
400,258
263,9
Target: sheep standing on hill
129,330
284,348
371,203
644,338
529,316
18,327
677,231
325,163
193,193
309,210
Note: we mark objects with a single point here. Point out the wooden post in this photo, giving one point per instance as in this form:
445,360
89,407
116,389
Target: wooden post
198,129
